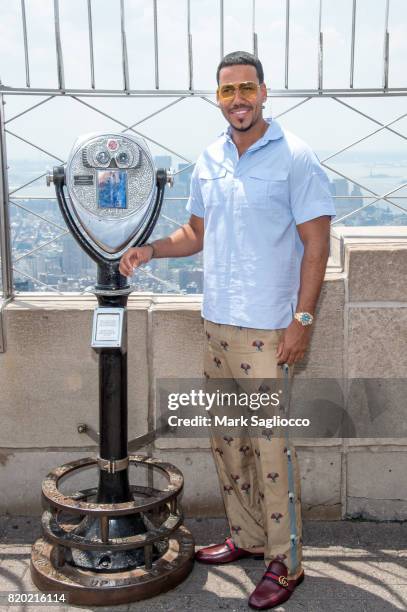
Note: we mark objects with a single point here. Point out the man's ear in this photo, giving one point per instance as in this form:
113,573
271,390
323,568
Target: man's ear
263,89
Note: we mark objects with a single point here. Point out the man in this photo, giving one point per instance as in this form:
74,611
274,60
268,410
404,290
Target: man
261,208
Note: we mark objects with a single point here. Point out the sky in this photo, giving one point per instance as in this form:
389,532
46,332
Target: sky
192,124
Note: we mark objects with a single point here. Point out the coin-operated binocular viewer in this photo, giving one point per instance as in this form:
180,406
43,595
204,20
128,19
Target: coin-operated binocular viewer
117,542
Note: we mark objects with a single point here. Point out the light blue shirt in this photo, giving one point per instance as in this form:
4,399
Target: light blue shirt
251,206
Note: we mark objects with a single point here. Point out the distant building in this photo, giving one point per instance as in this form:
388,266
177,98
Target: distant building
29,265
75,262
160,267
182,180
191,280
24,285
53,279
357,194
341,187
185,172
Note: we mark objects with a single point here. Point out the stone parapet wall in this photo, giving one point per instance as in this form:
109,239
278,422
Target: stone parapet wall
48,383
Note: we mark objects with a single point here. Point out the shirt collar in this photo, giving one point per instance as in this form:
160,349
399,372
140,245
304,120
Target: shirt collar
273,132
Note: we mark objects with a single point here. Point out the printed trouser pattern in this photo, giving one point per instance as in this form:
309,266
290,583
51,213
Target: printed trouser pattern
259,476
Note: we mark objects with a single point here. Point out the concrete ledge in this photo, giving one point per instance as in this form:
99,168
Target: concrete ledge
320,480
384,265
377,342
372,498
320,483
48,381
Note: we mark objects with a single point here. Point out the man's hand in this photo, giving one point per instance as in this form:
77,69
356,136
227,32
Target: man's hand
294,343
133,258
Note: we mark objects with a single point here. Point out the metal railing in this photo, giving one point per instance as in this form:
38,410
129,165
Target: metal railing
86,98
126,89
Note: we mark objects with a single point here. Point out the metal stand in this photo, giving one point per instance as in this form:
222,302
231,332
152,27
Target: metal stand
112,291
166,546
122,549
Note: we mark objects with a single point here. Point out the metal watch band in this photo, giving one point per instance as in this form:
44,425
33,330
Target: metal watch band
152,246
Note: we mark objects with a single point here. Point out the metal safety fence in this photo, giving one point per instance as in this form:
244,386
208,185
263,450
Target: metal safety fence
89,98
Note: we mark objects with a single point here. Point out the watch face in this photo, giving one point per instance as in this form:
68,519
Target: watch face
305,318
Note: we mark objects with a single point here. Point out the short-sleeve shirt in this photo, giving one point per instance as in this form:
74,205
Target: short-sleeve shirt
251,207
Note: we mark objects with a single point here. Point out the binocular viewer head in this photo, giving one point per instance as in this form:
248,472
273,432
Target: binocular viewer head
110,193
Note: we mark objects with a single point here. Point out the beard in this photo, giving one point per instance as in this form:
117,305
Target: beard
243,129
248,127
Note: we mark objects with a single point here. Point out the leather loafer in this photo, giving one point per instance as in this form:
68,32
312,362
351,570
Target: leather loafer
224,553
274,588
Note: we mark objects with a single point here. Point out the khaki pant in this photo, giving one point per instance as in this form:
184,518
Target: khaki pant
259,476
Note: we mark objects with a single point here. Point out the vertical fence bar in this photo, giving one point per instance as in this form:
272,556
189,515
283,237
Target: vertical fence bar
352,46
5,242
386,47
320,49
26,58
157,81
287,41
125,59
2,334
190,56
91,54
222,29
255,41
58,46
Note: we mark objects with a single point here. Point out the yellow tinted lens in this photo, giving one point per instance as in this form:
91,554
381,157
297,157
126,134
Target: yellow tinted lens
227,91
248,89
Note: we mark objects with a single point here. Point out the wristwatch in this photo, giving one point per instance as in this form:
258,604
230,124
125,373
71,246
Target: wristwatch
305,318
150,245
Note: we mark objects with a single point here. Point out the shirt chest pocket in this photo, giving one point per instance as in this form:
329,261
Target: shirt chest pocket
213,186
264,189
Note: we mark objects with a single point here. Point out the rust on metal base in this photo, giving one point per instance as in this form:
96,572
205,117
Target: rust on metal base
84,587
57,533
53,496
168,545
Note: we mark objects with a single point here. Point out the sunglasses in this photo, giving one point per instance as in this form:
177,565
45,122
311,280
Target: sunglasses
247,90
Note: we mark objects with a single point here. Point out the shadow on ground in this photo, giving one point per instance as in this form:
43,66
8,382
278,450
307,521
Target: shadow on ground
349,566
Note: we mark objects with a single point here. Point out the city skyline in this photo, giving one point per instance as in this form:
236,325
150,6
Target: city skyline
63,266
174,51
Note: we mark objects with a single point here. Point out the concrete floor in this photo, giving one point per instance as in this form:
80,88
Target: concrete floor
349,566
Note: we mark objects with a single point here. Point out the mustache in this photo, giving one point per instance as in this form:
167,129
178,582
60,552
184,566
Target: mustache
240,107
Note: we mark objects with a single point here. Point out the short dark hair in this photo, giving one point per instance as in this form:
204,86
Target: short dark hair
241,58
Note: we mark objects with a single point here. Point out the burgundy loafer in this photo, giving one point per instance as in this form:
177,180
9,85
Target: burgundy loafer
224,553
274,588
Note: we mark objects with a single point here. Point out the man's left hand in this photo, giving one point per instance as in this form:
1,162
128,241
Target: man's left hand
294,343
